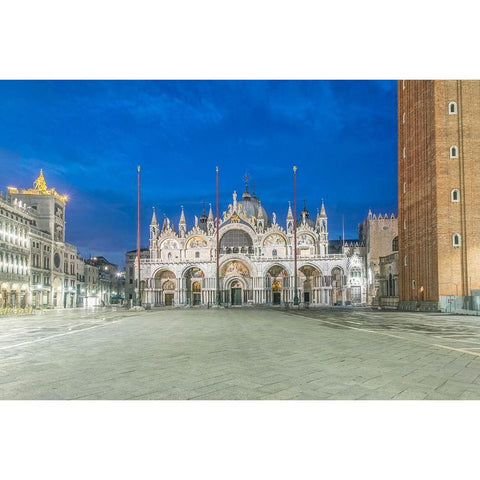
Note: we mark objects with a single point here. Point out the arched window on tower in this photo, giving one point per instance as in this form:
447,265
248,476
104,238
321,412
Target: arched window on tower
452,108
455,196
453,152
456,240
395,244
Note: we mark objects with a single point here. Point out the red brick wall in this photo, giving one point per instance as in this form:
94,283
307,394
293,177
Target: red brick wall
430,174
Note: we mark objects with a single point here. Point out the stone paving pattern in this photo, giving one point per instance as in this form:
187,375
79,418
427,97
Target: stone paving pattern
240,353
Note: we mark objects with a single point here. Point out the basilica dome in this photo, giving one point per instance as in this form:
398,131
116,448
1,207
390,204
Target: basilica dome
251,205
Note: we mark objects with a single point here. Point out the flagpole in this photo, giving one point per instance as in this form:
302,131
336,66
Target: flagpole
295,297
139,299
218,242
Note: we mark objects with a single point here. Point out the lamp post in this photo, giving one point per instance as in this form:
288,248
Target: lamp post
139,299
218,241
295,296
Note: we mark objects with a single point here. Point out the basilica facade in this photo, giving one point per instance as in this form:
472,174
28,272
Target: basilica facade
256,260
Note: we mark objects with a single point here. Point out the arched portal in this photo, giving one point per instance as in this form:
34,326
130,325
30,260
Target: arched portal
236,278
193,285
337,278
164,288
310,283
276,283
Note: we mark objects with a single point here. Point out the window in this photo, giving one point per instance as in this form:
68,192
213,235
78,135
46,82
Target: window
455,196
395,244
405,260
274,252
404,224
452,108
403,118
355,272
404,187
453,152
404,152
413,284
456,240
197,254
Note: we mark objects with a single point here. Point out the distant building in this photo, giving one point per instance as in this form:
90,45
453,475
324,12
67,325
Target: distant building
107,281
379,233
438,193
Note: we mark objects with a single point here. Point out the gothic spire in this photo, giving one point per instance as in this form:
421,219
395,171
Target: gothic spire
322,211
260,211
289,214
154,218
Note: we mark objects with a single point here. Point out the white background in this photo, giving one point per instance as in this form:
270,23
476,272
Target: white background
207,39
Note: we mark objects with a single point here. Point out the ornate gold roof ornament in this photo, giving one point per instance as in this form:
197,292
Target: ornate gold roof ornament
40,183
40,188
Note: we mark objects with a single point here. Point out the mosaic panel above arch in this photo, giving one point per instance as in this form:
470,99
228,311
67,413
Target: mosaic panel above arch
169,244
305,240
235,267
197,242
194,272
274,239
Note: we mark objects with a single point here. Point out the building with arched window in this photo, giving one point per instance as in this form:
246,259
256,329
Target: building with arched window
438,152
256,260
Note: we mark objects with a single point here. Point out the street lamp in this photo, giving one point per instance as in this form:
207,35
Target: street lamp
295,280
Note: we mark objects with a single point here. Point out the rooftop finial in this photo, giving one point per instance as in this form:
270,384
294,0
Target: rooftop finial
40,183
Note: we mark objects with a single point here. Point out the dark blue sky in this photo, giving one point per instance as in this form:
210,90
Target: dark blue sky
88,136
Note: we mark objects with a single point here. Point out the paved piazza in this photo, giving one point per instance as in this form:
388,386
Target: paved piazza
240,353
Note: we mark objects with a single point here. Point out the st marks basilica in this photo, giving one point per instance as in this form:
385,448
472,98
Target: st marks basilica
256,260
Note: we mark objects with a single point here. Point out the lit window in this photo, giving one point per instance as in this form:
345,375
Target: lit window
452,108
453,152
456,240
404,187
404,224
403,118
403,84
404,152
405,260
455,195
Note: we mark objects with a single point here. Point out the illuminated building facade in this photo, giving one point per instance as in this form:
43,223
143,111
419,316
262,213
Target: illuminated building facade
37,267
256,260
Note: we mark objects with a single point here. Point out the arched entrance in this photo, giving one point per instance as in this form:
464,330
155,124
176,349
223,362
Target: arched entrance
337,286
193,285
57,288
310,284
276,283
165,284
236,278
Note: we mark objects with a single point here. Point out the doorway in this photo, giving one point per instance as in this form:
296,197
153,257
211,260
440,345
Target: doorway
236,296
169,299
